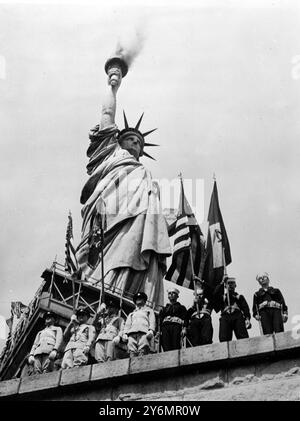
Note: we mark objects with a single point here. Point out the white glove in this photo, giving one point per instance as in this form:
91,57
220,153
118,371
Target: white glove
125,337
183,332
86,350
257,317
31,359
248,324
149,335
102,307
52,355
284,317
116,340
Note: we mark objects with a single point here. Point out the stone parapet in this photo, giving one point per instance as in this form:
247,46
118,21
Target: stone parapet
260,368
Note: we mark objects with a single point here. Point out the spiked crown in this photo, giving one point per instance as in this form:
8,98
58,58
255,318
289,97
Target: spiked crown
127,131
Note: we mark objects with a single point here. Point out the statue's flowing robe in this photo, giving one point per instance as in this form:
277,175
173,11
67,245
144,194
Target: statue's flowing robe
136,241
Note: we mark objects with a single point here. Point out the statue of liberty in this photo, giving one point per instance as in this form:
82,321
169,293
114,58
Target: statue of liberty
136,242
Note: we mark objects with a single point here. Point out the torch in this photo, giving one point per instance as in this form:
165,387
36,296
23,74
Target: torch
113,63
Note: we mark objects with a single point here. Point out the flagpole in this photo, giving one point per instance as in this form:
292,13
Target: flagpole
73,292
52,277
78,296
102,220
190,248
193,277
121,301
225,275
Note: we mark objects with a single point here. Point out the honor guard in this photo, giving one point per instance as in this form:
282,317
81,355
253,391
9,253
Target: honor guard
235,313
269,307
82,336
139,327
109,327
172,318
198,321
47,342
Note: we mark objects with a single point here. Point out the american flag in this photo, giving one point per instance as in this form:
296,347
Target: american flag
182,238
188,238
71,264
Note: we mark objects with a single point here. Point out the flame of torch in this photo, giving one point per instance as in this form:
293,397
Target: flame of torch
126,52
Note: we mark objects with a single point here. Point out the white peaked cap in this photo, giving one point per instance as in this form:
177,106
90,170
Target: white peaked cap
173,290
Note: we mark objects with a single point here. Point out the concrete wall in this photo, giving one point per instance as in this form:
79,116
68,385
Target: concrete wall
261,368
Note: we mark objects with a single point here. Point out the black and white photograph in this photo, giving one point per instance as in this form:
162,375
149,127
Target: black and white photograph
150,203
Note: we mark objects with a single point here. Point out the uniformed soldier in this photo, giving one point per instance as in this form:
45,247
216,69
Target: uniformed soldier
172,318
269,307
198,320
47,342
82,336
109,327
235,313
139,327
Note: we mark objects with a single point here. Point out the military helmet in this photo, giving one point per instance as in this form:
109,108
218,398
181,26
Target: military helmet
141,295
49,314
82,310
112,303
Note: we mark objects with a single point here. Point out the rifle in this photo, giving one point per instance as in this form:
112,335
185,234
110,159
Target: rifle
259,321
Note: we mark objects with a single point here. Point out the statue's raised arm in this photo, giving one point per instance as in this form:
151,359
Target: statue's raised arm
116,69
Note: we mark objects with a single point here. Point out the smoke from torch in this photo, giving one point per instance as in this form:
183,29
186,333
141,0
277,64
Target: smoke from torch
129,49
126,51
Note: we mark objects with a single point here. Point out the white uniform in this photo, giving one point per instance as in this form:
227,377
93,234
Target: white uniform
138,324
81,339
105,347
47,340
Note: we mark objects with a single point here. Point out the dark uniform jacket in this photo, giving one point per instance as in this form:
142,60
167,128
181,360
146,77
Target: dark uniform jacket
205,307
236,301
265,298
173,313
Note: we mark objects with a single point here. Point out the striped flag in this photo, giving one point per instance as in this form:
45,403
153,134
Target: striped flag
17,308
182,238
71,264
187,236
217,247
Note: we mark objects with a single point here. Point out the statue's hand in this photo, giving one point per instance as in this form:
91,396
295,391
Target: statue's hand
31,359
114,80
116,340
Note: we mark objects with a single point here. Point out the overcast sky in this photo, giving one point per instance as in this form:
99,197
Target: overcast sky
221,81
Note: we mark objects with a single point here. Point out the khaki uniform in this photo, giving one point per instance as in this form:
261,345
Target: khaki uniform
137,325
105,347
47,340
82,337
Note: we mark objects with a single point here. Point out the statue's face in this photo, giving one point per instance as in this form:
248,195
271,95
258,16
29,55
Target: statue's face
132,144
114,75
